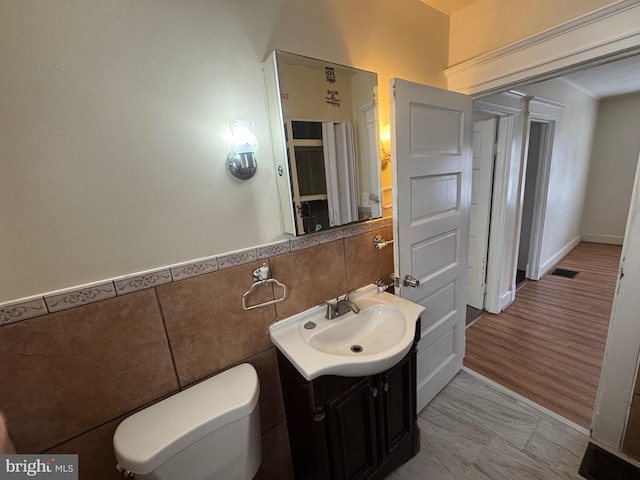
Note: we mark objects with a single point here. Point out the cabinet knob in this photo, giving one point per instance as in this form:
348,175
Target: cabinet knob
318,414
375,392
386,386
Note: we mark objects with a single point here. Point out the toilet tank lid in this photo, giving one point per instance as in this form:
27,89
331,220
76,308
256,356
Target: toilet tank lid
150,437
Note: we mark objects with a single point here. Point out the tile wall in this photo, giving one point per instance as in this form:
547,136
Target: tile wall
74,364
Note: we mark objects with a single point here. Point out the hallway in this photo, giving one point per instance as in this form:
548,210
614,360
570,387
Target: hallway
549,343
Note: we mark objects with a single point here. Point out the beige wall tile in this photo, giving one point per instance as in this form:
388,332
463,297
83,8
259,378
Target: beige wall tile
312,275
64,373
95,448
95,453
207,327
276,455
271,402
365,263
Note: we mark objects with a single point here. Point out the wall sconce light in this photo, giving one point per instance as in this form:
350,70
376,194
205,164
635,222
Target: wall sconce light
241,161
385,146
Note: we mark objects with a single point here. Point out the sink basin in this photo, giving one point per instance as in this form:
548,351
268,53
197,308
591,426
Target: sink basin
375,329
351,345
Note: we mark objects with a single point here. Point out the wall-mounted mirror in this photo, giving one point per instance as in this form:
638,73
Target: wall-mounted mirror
325,138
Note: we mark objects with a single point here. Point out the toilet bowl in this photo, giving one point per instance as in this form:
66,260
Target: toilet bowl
206,432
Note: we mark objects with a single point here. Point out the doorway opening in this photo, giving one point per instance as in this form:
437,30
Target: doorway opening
536,184
548,344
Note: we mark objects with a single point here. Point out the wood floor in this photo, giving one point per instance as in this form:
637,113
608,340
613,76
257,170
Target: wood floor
549,343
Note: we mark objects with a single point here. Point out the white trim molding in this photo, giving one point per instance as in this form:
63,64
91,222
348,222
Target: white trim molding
596,238
608,33
549,113
509,108
546,266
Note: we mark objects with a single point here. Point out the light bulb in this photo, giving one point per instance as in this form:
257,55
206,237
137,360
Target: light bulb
243,140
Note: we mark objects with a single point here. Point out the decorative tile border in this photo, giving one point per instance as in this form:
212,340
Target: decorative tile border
80,296
307,241
16,311
361,228
238,258
331,236
194,269
22,311
140,282
273,249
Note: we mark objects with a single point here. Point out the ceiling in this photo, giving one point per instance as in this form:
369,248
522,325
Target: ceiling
448,6
609,80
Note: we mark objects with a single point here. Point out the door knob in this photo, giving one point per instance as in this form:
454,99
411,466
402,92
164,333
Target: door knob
409,281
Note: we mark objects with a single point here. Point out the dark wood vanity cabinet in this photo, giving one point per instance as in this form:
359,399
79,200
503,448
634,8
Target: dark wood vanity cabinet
351,427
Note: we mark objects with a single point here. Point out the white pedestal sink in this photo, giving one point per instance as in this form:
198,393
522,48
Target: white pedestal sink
352,345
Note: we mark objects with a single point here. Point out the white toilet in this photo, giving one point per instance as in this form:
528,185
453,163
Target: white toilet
206,432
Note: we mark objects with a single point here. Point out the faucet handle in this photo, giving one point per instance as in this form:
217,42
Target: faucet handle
331,310
382,286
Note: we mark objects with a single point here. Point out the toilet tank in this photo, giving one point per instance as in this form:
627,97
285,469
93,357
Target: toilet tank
208,431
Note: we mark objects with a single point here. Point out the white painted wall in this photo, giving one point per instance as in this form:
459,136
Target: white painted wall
569,168
613,164
487,25
112,123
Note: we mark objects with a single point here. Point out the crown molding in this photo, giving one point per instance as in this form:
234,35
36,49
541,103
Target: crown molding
608,33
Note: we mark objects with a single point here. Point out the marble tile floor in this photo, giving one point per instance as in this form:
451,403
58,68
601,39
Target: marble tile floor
473,431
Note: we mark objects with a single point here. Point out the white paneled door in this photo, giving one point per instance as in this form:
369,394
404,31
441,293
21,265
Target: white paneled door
431,133
484,141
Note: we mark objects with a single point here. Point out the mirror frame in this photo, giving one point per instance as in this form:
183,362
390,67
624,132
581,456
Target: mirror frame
281,158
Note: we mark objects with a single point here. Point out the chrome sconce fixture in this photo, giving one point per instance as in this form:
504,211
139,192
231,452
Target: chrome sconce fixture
385,146
241,160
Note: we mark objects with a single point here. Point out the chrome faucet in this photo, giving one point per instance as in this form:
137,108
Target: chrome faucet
341,307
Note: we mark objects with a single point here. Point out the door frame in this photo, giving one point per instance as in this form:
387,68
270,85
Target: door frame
614,33
500,283
477,265
548,113
541,188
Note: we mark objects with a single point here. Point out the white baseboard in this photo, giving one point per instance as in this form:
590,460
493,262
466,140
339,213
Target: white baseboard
609,239
506,299
546,266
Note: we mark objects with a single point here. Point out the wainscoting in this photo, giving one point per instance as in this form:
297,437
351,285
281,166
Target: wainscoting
70,377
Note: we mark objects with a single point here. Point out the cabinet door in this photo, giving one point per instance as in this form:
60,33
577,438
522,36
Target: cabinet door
352,431
397,403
